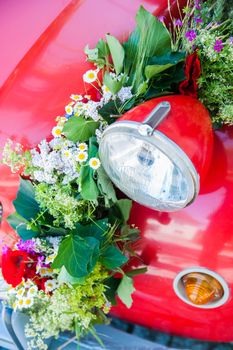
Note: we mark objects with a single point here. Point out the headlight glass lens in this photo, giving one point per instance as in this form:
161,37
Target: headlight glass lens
144,172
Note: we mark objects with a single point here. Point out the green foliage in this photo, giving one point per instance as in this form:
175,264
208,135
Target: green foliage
80,129
20,224
106,187
112,257
25,203
124,206
96,229
159,64
113,84
88,188
79,255
125,290
117,53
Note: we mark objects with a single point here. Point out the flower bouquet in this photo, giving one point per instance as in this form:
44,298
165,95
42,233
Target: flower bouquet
76,248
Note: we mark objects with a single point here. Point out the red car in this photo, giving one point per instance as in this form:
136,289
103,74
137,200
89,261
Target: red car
42,63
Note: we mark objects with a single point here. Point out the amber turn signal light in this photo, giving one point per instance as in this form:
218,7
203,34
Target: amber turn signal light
201,288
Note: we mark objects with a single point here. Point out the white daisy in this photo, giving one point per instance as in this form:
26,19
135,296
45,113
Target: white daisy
90,76
28,302
50,285
69,109
57,131
82,147
76,97
81,157
94,163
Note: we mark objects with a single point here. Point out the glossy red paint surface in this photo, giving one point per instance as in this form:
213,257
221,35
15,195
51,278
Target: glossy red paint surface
188,124
200,235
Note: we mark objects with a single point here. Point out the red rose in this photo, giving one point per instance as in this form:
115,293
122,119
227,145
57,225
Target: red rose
192,71
13,266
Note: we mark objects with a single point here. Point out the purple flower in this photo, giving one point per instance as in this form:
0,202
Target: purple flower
161,18
197,5
191,35
218,45
5,249
198,20
27,246
231,40
178,23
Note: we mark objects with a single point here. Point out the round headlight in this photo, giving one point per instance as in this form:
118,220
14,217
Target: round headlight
146,164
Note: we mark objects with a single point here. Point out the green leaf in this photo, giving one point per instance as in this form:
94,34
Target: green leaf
154,34
25,203
136,272
93,147
106,187
91,53
112,284
103,48
159,64
89,189
19,224
97,229
151,71
79,129
65,277
112,257
125,206
53,231
78,254
113,84
111,108
117,53
125,290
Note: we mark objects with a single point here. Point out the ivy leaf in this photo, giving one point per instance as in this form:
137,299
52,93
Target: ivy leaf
97,229
106,187
112,284
125,206
65,277
25,203
117,53
125,290
112,257
89,189
19,224
79,129
113,84
78,254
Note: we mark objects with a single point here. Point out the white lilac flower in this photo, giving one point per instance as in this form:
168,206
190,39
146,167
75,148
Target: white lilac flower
50,285
90,76
57,131
125,93
81,157
91,110
39,175
94,163
55,242
76,97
